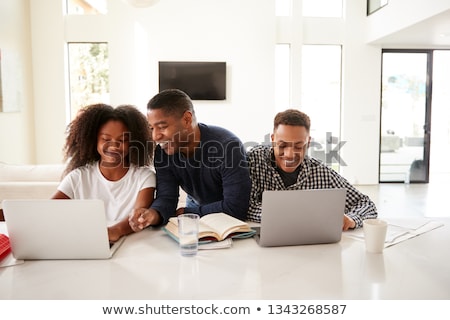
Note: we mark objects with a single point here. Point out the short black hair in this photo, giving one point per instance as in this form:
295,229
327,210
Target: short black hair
173,102
292,117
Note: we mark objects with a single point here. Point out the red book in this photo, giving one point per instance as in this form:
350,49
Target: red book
5,246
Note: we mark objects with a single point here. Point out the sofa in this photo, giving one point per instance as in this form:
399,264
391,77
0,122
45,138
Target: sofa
29,181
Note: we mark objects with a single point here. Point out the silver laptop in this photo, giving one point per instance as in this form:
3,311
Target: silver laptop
301,217
58,229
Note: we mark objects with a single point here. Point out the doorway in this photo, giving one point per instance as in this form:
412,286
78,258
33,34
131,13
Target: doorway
413,84
405,116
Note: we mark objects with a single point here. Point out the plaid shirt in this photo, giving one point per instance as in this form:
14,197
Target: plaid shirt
313,174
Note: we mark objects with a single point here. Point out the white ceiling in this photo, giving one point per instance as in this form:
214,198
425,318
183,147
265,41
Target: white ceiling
431,33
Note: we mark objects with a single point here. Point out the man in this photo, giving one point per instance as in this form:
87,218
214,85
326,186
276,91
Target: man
207,162
286,166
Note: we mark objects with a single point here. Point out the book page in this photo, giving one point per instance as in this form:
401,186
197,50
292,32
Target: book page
172,226
224,224
216,245
213,225
204,231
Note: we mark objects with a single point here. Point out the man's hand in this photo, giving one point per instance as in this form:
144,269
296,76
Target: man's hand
142,218
179,211
349,223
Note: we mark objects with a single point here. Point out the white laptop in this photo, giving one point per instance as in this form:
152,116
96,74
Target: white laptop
301,217
58,229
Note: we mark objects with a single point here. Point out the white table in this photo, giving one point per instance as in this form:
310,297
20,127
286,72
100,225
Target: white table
148,266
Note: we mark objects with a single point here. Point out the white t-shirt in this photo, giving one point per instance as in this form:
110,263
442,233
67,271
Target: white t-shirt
119,196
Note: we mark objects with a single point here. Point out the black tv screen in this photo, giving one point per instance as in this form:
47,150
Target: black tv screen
200,80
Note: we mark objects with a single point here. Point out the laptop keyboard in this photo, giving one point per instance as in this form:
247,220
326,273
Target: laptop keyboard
5,246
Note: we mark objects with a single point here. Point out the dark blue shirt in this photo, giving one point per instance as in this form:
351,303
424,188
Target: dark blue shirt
216,178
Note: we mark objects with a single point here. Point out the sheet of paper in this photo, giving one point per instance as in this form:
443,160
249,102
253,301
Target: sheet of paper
400,230
216,244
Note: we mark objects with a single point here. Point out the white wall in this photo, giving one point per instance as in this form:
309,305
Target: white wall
17,143
400,14
360,117
242,33
49,88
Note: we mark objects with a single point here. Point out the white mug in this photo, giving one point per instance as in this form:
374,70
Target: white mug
374,235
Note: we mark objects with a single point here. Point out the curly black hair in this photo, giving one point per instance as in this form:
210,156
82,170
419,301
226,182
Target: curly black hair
80,147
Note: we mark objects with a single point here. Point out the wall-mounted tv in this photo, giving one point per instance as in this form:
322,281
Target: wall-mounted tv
200,80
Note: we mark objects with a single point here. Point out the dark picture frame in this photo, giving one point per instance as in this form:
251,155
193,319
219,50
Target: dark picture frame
375,5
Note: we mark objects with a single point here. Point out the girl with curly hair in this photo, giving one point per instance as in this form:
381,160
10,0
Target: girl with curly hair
109,153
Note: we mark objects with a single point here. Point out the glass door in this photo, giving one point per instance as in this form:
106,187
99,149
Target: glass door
440,118
405,116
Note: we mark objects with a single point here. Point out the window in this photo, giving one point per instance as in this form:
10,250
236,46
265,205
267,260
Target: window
322,8
374,5
283,8
86,6
88,75
440,117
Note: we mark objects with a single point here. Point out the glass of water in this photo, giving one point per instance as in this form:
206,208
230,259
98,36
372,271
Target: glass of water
188,233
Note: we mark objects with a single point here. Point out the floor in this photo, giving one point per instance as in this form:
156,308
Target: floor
411,200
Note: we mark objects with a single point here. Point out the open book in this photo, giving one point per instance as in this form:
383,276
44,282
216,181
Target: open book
214,227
